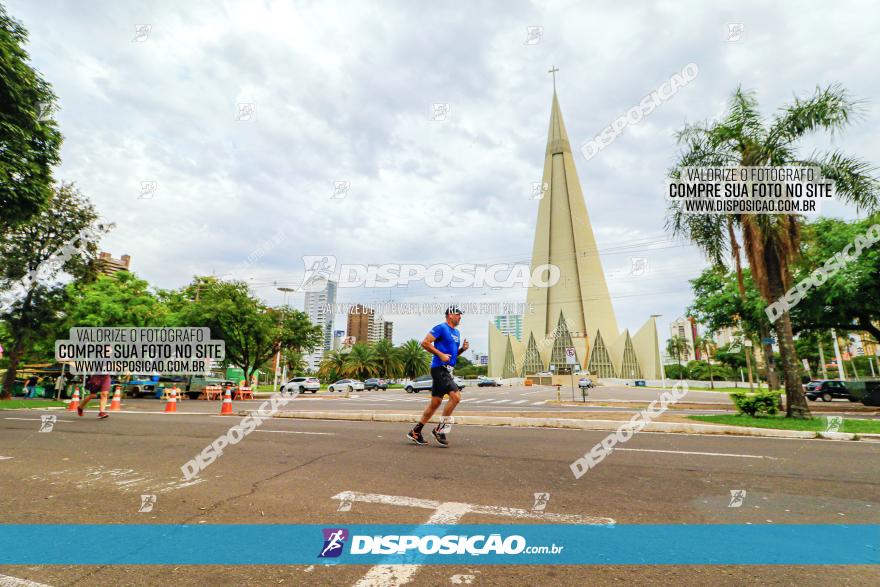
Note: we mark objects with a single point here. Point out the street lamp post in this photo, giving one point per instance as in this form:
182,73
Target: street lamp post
286,291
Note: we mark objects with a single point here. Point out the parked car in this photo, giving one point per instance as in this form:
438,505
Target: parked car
375,383
488,382
301,385
827,390
585,383
346,385
424,382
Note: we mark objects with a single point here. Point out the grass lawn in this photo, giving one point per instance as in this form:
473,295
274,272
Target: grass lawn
741,388
782,423
17,404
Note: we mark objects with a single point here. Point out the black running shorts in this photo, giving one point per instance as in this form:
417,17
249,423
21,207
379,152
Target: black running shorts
442,381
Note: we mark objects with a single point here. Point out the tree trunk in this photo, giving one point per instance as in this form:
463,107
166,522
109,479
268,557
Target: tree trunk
740,282
796,401
15,356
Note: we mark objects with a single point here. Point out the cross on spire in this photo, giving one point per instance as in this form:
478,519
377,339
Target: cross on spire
553,71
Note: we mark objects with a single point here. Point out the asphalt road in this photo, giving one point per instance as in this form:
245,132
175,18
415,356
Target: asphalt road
288,471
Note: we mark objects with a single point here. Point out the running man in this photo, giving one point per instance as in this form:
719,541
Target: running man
96,383
442,342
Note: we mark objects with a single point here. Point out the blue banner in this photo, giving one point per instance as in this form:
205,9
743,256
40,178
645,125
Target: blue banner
514,544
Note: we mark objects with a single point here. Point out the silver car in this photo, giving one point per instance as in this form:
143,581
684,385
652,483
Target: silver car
301,385
346,385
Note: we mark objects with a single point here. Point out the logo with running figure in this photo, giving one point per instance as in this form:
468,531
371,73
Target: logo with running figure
334,542
319,269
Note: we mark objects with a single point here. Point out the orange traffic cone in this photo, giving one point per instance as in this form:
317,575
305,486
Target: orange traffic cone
171,404
74,403
226,407
116,404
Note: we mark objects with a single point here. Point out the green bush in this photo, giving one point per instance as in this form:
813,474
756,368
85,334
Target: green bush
756,404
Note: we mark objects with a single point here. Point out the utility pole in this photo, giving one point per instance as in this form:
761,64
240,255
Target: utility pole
822,361
837,356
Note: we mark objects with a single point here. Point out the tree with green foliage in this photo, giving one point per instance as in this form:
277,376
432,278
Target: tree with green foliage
387,359
120,299
771,241
253,332
361,362
332,366
414,359
677,346
704,343
30,141
32,255
847,300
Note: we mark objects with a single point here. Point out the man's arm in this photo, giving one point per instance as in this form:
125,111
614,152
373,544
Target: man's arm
464,346
428,345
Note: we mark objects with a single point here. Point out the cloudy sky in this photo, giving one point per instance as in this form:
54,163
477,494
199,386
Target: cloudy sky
344,92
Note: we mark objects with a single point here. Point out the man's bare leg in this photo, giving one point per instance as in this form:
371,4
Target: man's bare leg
416,433
430,409
454,398
104,395
82,405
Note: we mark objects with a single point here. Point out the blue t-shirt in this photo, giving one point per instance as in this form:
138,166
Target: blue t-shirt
446,341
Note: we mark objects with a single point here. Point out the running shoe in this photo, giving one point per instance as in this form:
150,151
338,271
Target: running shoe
102,415
416,437
440,436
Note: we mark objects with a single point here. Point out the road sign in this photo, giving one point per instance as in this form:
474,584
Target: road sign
570,358
768,340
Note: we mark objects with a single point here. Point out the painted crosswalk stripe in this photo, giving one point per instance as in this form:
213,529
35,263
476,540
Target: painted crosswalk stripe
522,401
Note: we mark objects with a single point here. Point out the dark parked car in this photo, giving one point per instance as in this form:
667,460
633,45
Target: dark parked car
827,390
488,383
375,383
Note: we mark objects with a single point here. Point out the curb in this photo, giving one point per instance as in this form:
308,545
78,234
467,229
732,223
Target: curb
607,425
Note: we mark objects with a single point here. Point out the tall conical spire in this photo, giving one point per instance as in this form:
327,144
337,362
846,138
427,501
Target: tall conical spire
564,238
557,137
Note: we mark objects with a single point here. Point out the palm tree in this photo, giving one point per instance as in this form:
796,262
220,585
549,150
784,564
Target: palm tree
702,343
360,362
677,346
414,359
333,365
387,359
772,241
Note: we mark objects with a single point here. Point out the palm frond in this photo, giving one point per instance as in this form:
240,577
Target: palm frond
853,179
828,109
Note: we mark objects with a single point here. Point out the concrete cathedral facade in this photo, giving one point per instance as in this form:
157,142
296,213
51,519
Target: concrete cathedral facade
576,312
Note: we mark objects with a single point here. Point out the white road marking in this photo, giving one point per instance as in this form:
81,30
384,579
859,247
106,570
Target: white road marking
7,581
522,401
298,432
708,454
444,513
539,403
35,419
6,458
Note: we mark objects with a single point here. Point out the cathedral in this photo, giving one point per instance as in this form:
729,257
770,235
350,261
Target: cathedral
576,312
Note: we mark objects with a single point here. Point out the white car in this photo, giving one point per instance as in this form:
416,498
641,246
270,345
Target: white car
346,385
426,381
301,385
